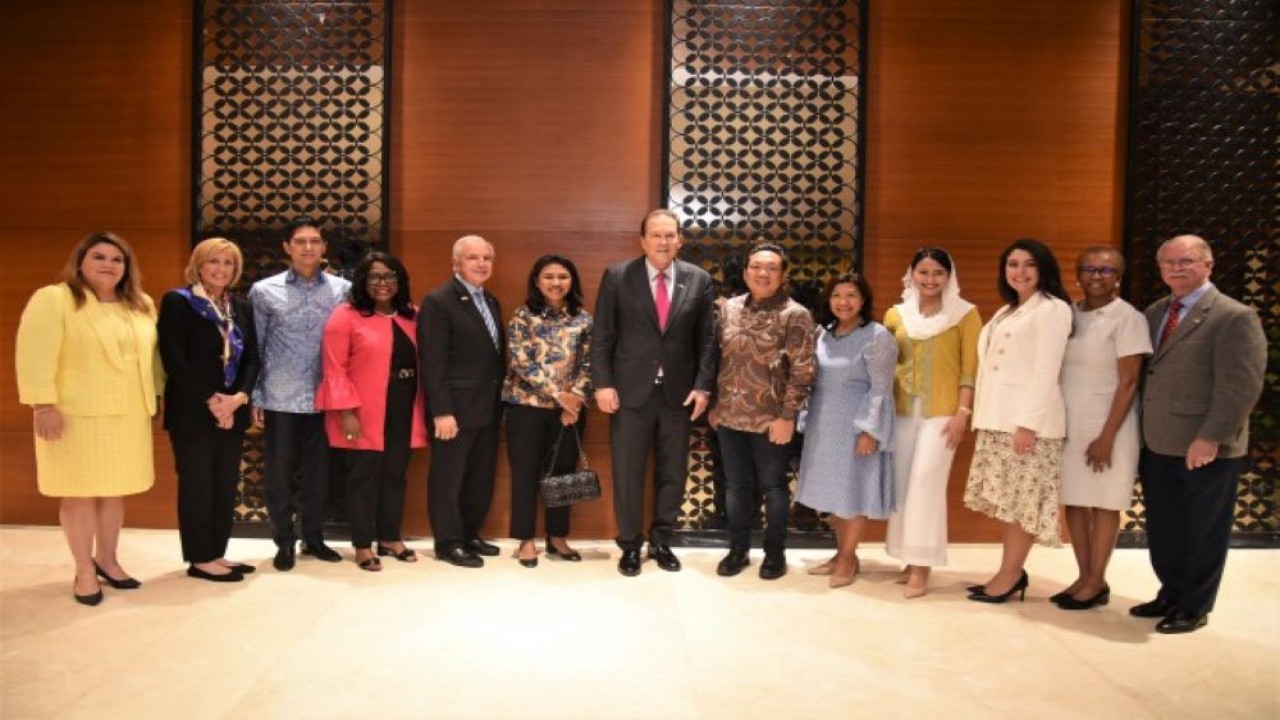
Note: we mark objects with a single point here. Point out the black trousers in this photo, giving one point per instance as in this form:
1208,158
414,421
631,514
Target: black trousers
208,464
1189,518
531,439
294,441
664,427
375,479
460,484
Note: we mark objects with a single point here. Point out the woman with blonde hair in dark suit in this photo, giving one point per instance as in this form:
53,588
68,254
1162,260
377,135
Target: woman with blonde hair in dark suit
85,352
210,354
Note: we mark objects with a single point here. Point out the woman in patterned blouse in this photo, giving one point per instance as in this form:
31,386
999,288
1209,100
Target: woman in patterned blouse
547,385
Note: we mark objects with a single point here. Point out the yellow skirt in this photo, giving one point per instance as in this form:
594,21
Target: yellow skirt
103,456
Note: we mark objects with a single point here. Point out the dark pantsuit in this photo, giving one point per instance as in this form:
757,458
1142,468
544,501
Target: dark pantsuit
208,465
753,465
293,440
375,479
1189,518
531,437
460,484
665,426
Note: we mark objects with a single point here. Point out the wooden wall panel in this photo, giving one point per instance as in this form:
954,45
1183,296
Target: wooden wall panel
538,125
94,134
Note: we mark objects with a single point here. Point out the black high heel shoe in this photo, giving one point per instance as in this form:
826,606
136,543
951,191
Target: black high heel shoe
1018,587
125,584
90,599
571,556
1102,598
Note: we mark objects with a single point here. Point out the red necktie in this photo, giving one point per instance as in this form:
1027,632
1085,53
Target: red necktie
661,300
1171,322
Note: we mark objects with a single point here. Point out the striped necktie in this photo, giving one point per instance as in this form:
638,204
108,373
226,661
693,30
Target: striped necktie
483,307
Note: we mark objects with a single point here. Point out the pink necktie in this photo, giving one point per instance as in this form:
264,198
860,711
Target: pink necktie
662,301
1170,323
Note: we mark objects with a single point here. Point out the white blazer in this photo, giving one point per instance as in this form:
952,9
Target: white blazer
1020,354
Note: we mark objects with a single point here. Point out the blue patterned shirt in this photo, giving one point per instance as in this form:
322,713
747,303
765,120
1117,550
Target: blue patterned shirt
289,313
548,353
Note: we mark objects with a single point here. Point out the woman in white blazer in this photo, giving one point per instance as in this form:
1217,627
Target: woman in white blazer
85,358
1019,414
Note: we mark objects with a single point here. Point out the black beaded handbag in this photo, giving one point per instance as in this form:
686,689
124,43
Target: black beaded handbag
572,487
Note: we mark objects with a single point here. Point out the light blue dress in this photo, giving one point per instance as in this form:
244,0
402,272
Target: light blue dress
853,394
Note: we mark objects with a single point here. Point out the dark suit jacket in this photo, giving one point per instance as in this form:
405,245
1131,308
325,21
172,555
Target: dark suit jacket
628,348
191,350
1204,381
462,370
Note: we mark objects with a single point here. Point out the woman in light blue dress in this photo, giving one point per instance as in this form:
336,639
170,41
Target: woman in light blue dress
847,469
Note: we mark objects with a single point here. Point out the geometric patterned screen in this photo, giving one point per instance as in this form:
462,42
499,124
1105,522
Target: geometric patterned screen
1204,151
290,120
764,142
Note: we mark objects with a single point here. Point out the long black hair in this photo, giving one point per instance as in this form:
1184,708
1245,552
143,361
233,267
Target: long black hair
572,299
1046,265
359,296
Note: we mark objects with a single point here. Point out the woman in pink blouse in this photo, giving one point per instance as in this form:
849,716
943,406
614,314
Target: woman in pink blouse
546,391
372,402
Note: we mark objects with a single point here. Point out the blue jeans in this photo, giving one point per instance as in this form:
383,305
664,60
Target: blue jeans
750,462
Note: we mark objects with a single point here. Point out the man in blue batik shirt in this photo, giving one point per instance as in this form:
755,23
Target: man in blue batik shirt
289,311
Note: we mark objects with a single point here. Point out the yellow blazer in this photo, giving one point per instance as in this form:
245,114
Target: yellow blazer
62,360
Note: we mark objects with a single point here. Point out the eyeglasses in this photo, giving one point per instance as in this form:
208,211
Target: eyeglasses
1103,271
383,279
1180,263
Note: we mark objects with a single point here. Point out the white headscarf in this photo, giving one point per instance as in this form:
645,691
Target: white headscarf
954,307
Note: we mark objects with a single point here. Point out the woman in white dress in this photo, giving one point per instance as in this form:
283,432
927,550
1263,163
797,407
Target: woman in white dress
937,334
1100,459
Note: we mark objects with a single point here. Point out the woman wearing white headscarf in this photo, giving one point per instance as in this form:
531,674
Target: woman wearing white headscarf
937,334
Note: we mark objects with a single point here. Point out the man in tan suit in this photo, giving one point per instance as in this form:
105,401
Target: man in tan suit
1200,386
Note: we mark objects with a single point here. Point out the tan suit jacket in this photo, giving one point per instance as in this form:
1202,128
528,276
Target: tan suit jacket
1204,381
62,360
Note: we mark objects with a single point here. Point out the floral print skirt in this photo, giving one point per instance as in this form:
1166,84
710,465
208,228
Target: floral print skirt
1017,489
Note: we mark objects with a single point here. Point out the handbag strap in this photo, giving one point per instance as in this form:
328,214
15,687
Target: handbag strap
555,451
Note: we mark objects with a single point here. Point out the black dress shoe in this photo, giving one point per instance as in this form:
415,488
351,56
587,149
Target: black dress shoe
733,563
666,559
91,599
241,568
320,551
284,559
773,567
461,557
480,547
571,556
1157,608
125,584
230,576
1180,622
1102,597
629,563
1054,598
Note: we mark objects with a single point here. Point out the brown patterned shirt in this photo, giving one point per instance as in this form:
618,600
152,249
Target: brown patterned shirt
766,361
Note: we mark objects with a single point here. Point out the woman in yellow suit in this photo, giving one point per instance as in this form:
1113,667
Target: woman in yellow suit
85,358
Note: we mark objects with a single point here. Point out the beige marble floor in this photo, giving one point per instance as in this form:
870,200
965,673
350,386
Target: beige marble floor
579,641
